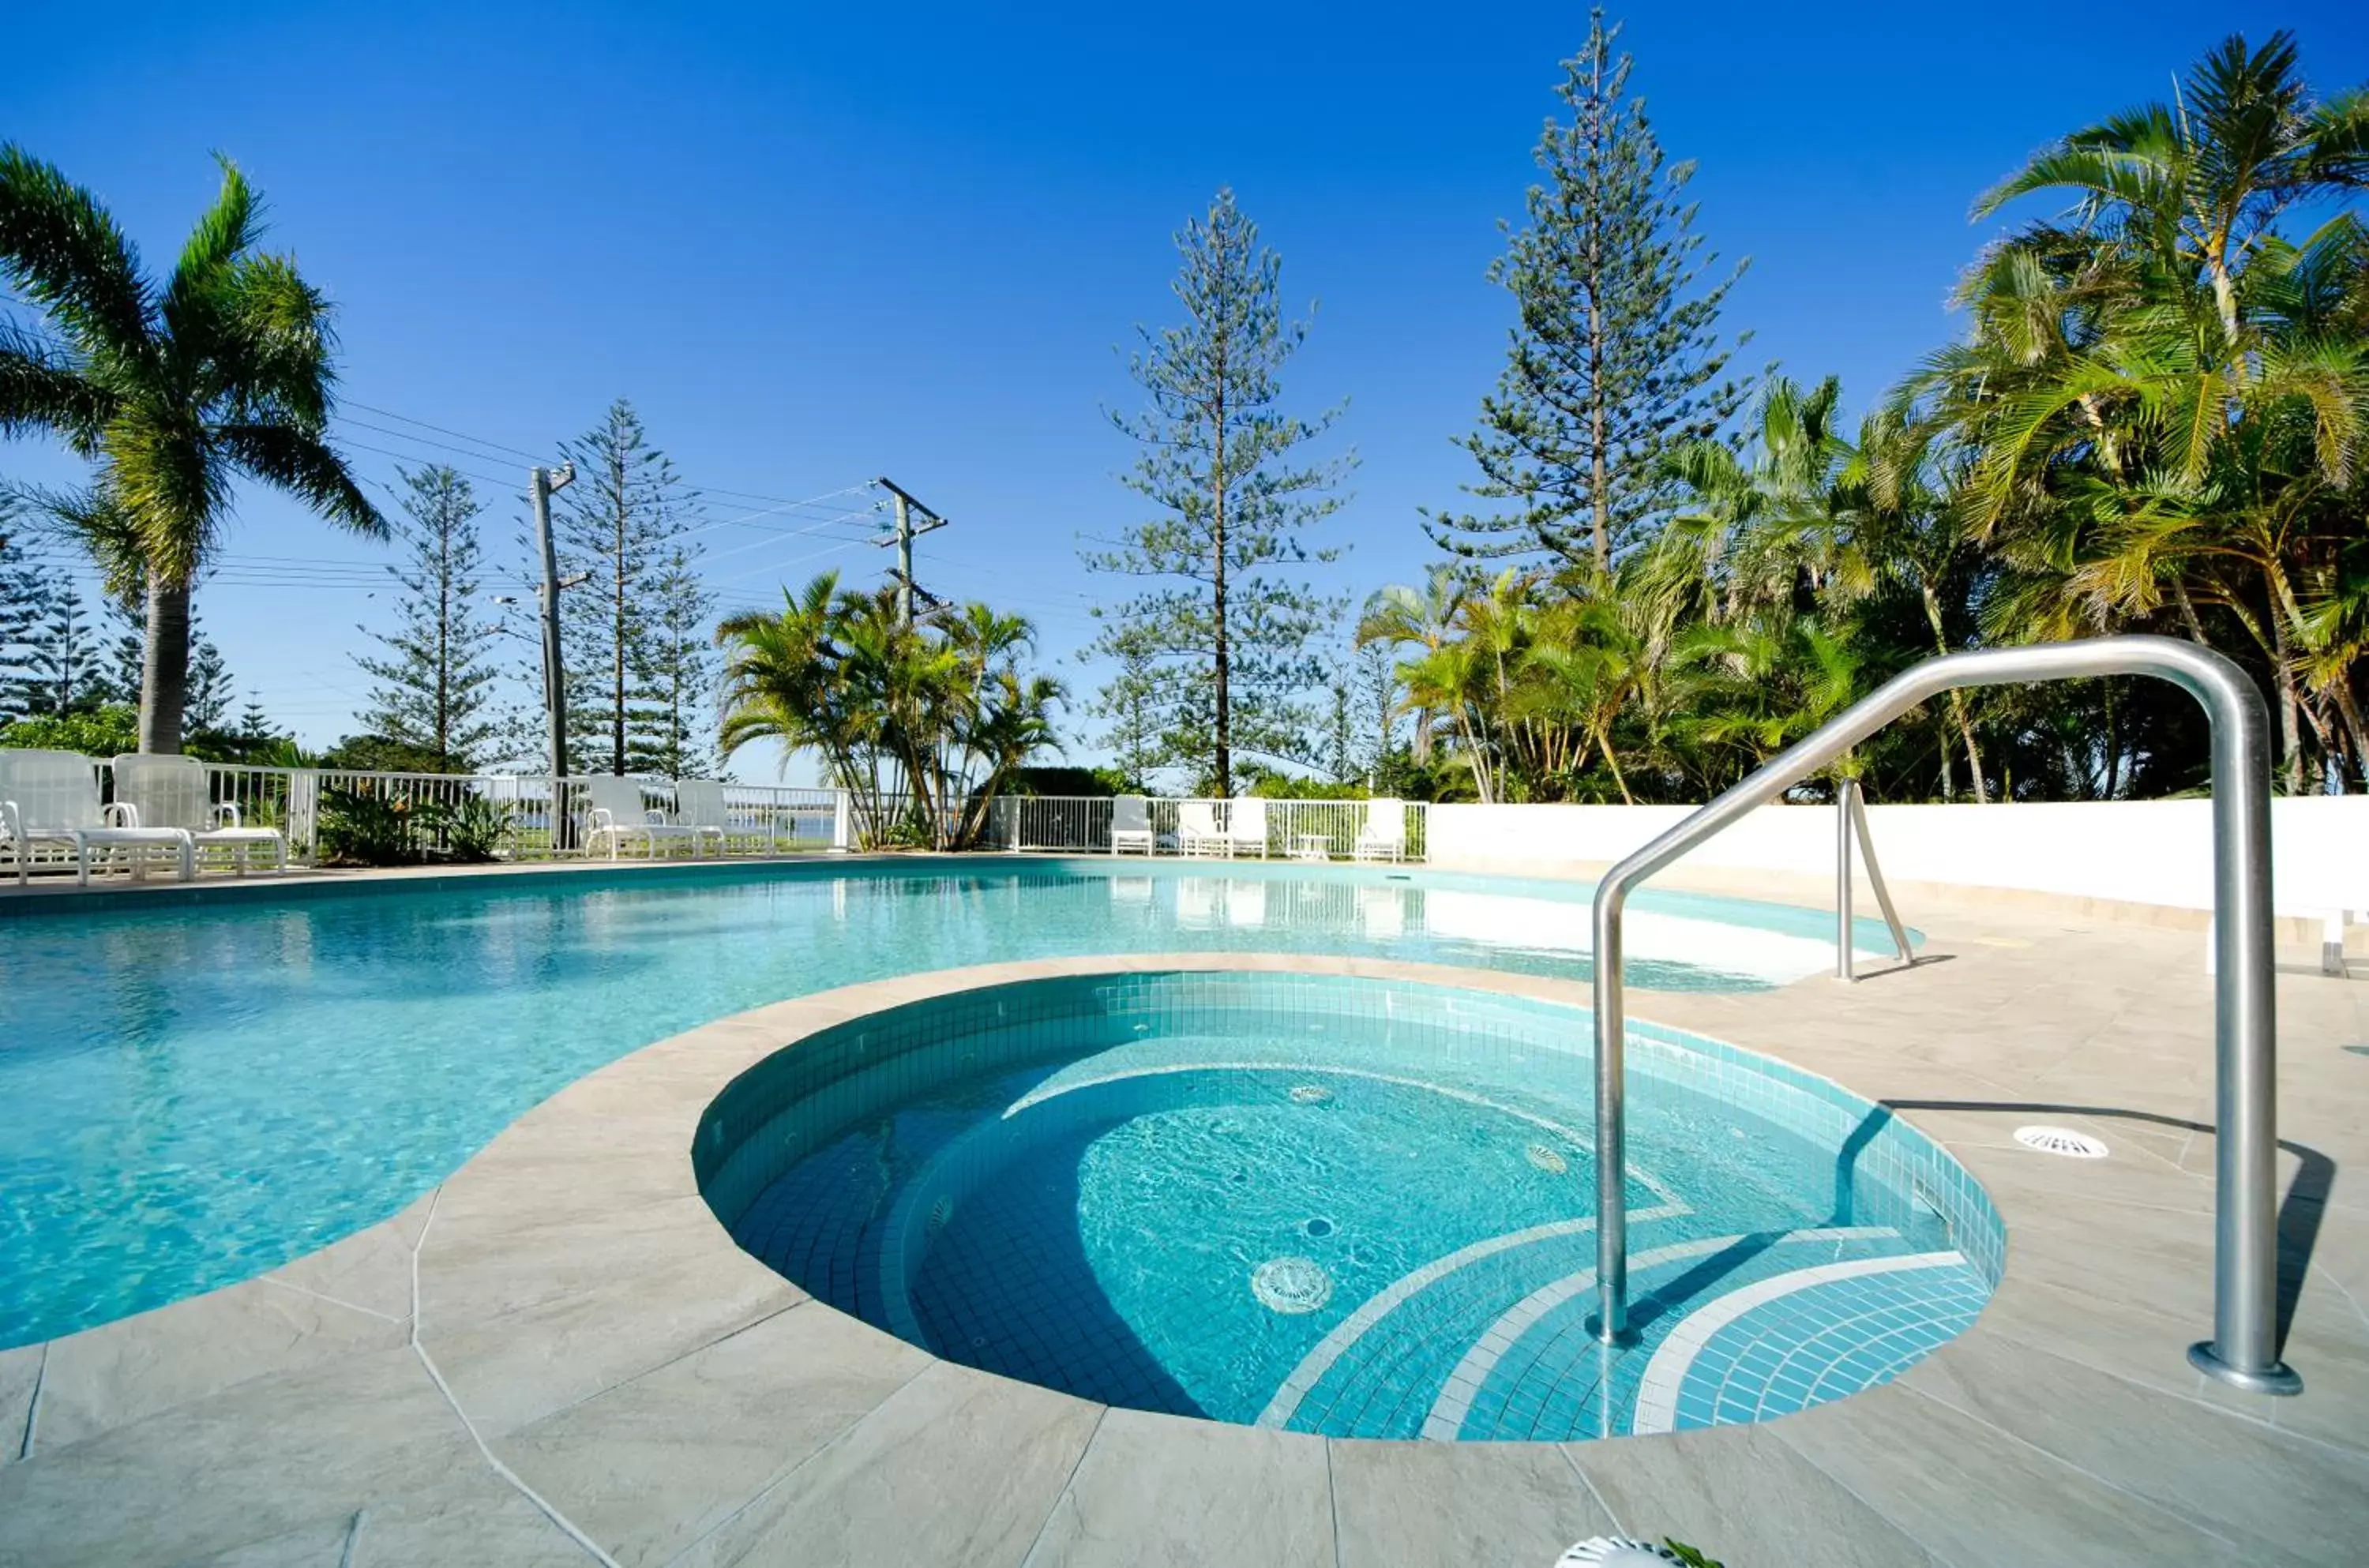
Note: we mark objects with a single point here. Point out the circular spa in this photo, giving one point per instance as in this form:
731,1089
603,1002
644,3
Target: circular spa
1357,1208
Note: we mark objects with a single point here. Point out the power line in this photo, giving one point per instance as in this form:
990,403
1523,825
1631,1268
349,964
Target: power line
457,435
423,441
414,457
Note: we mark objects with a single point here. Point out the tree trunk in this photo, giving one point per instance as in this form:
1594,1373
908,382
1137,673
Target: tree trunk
2349,710
164,666
445,651
1225,715
2290,731
1598,466
1957,705
617,667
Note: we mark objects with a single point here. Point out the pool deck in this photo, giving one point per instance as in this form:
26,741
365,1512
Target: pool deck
559,1357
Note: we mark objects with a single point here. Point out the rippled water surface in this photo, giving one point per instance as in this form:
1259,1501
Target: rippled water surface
192,1094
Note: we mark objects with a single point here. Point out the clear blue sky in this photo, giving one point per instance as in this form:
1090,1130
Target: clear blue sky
821,244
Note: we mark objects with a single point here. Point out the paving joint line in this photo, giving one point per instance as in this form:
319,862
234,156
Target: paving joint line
1864,1501
1333,1500
33,1405
332,1300
2142,1499
779,1479
1588,1482
436,1376
1069,1486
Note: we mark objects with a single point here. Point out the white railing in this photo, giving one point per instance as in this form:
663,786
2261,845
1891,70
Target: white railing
427,818
396,818
1327,830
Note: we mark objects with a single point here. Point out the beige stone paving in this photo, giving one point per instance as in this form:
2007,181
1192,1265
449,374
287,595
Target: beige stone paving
560,1356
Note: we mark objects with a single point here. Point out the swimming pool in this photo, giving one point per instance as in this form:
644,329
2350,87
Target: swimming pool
194,1089
1356,1208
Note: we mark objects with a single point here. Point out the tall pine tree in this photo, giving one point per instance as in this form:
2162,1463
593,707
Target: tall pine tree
676,739
434,683
1235,622
1140,703
56,667
617,524
23,599
1615,354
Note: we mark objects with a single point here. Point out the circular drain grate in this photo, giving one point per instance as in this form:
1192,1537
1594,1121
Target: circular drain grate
1614,1551
1291,1286
1309,1094
2061,1140
1547,1160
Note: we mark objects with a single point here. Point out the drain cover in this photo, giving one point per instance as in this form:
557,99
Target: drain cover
1291,1286
2061,1140
1546,1158
1614,1551
1310,1093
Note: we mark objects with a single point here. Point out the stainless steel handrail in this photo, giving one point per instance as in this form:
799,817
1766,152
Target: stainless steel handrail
2244,1347
1850,821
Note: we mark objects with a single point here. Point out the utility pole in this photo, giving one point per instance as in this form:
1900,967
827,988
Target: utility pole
541,483
906,533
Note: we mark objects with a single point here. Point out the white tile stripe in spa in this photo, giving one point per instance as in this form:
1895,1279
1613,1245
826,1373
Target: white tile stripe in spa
1455,1400
1382,1302
1657,1394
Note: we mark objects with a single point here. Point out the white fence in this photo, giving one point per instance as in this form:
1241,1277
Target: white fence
428,818
434,817
1312,829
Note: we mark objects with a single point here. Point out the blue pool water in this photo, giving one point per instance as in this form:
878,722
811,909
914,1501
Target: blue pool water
193,1092
1352,1207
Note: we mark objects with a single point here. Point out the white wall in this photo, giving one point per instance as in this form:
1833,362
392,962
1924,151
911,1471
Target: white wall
2155,851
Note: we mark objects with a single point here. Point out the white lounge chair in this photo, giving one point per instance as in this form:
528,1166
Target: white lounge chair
52,798
699,805
1246,826
1384,835
619,812
1130,824
171,792
1196,829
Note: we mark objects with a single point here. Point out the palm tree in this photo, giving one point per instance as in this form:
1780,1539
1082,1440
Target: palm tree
923,724
173,390
1900,496
2165,415
2197,187
1398,617
1760,526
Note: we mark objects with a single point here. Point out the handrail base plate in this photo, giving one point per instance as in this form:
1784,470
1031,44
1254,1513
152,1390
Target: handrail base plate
2280,1379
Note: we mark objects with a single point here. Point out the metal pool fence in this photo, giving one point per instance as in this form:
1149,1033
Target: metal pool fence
1307,830
431,818
427,818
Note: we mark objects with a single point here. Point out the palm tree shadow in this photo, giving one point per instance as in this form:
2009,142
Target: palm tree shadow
2300,1212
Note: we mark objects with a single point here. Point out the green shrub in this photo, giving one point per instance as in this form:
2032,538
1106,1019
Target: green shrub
467,832
366,830
108,731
